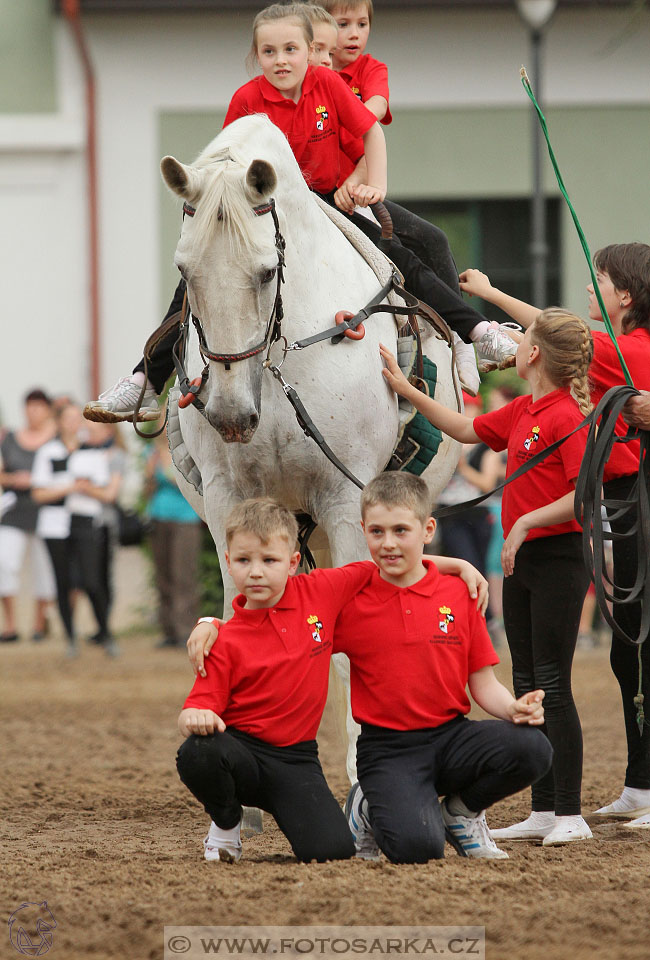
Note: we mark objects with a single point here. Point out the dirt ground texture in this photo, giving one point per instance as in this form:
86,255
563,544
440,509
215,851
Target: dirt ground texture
96,822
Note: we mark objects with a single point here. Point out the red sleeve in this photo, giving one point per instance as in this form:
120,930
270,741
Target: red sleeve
352,147
481,653
375,84
212,692
494,428
352,114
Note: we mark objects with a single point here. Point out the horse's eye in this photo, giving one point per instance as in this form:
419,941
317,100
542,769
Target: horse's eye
268,276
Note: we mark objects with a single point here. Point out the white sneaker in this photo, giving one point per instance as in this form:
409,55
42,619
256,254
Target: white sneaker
495,350
118,403
356,811
566,830
470,836
633,802
641,823
537,826
223,845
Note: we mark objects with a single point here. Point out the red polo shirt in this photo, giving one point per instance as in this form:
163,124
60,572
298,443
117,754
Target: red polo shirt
268,674
526,427
605,372
366,78
412,650
313,125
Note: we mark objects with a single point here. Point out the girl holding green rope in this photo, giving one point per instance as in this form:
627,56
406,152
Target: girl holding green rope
623,275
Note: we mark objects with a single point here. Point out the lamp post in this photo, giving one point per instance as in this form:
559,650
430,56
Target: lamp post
536,14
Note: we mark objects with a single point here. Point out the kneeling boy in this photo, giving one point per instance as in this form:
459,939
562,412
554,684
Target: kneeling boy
415,641
266,679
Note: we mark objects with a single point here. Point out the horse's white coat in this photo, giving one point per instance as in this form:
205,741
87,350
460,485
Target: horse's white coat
341,386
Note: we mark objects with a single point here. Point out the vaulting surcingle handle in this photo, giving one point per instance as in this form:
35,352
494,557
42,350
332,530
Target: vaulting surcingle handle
386,224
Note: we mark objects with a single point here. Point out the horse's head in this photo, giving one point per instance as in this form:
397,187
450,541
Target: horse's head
228,256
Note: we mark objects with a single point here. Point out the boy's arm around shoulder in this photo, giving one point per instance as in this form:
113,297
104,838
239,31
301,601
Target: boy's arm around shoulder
491,695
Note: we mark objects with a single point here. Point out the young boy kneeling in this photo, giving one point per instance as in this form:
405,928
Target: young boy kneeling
415,641
266,679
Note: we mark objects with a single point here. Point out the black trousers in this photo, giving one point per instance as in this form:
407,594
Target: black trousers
82,553
227,770
542,603
402,774
419,278
427,241
624,658
428,268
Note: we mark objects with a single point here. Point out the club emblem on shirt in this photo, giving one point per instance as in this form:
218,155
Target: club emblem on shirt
322,117
315,622
532,438
356,92
446,617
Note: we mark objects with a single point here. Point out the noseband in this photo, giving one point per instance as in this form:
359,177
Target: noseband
274,325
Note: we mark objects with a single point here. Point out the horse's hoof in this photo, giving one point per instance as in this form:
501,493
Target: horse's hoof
251,822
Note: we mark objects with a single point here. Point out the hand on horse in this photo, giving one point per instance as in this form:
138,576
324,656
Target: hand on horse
199,643
528,709
364,194
202,722
343,198
394,376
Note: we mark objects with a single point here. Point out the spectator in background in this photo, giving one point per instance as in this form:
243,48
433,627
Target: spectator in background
19,515
175,543
71,482
106,437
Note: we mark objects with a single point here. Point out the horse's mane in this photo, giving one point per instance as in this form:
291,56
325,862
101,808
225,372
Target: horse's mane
225,197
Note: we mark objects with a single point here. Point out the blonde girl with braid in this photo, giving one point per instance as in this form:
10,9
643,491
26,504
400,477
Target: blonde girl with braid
623,274
545,580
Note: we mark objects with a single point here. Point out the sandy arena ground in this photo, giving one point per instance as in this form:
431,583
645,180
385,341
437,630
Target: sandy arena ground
96,822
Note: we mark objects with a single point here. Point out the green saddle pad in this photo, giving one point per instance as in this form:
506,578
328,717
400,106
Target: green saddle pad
417,439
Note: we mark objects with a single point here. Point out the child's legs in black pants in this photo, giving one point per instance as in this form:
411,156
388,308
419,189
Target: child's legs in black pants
402,773
427,242
542,603
624,657
227,770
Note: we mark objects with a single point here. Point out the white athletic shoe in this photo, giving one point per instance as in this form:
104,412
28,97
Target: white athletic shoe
470,836
220,845
537,826
494,350
118,403
356,811
633,802
641,823
566,830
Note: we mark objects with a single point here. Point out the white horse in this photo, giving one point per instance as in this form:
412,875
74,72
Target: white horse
251,444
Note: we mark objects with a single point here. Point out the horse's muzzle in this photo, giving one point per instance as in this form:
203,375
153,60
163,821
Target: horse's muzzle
239,430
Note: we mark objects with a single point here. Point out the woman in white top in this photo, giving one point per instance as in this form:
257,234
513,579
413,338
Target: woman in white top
70,482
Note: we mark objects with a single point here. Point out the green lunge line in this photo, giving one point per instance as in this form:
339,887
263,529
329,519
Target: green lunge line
608,326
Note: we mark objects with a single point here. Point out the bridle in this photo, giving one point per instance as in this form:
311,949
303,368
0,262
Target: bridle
274,326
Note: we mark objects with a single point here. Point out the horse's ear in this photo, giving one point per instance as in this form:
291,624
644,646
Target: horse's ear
186,181
261,179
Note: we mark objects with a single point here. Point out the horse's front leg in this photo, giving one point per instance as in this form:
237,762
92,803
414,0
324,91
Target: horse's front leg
347,544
